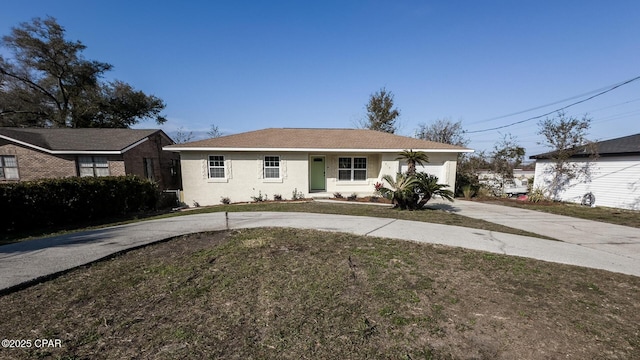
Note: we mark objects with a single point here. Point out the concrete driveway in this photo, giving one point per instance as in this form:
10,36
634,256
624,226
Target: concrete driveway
609,238
27,262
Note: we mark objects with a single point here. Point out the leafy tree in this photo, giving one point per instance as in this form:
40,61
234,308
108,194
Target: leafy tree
47,82
380,113
566,136
467,171
443,131
413,158
506,156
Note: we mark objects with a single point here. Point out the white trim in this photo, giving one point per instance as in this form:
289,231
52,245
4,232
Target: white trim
134,145
217,180
71,152
264,168
272,180
223,167
353,169
228,149
75,152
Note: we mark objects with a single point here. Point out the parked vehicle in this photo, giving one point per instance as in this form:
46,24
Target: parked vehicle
516,187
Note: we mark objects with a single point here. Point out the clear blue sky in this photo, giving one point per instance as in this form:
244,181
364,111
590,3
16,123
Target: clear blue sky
246,65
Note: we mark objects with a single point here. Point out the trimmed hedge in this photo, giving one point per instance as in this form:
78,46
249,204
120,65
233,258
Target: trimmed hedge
53,202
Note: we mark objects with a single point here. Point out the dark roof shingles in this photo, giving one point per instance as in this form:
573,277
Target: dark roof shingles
626,145
86,139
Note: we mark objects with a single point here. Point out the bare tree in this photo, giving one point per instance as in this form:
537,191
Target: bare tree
182,136
567,137
443,131
214,132
506,156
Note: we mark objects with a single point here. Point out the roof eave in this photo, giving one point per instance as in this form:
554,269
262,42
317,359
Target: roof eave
74,152
332,150
582,156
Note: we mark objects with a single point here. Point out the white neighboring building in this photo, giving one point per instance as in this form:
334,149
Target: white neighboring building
614,174
521,178
312,162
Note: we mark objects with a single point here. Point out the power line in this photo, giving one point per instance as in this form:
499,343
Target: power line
542,106
560,109
614,105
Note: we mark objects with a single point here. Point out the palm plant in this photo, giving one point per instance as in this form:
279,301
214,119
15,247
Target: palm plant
412,192
400,190
413,158
426,186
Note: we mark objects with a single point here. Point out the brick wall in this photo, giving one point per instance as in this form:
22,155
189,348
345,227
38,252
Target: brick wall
34,165
161,160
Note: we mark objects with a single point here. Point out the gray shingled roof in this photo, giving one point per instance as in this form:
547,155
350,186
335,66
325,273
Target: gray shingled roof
81,140
627,145
330,139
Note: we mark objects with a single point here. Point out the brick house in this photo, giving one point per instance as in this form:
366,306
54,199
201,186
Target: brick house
36,153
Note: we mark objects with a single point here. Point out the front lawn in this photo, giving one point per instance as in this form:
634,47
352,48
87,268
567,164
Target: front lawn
301,294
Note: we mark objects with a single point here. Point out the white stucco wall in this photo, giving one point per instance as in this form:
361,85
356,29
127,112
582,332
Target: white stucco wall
615,182
244,175
442,165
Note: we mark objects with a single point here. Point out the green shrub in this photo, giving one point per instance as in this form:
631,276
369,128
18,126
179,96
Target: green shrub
260,197
537,195
468,192
54,202
297,195
412,192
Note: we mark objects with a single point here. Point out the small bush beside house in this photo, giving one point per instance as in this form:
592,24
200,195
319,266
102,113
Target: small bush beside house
55,202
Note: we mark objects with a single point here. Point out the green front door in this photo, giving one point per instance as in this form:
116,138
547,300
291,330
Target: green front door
316,173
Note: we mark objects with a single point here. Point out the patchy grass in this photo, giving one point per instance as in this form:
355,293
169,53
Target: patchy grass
292,294
598,213
426,215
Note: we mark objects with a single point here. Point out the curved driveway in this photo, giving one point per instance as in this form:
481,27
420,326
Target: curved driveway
27,262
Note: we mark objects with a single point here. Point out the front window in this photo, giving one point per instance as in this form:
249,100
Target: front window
93,166
352,169
272,167
148,168
216,166
8,168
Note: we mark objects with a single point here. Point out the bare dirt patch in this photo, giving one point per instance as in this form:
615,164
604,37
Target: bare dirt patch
292,294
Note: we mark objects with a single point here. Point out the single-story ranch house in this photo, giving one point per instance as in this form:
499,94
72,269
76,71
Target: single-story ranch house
614,174
311,162
38,153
